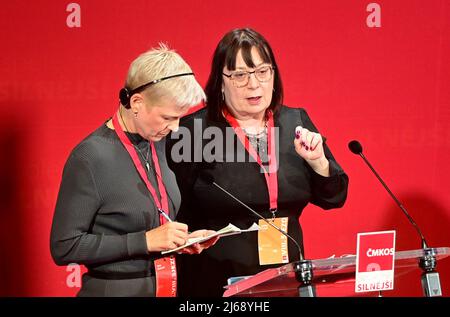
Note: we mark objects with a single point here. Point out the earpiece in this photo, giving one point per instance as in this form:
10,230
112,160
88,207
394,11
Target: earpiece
125,94
124,97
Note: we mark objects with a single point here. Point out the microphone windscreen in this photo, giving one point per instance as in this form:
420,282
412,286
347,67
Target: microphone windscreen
355,147
208,179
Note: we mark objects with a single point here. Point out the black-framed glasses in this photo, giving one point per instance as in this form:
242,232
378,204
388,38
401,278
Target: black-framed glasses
240,78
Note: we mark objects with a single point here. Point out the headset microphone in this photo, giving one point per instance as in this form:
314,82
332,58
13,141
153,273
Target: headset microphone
126,93
124,97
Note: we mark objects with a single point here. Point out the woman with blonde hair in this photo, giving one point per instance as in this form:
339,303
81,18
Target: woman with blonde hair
118,197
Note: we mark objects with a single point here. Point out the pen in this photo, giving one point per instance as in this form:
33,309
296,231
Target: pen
164,215
167,217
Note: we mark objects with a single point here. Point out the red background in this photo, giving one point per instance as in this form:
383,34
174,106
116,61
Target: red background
389,87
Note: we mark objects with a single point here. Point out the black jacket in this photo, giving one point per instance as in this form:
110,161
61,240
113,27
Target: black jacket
205,206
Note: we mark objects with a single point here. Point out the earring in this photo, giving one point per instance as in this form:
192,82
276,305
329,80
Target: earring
223,96
135,114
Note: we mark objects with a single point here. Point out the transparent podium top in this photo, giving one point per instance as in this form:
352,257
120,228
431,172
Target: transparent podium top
282,280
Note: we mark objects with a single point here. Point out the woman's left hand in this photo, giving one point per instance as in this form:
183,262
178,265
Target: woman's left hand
197,248
309,145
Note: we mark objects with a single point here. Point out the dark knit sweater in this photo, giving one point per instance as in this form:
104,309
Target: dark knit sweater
104,208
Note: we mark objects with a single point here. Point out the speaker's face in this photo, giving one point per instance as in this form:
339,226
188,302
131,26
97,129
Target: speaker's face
157,120
249,90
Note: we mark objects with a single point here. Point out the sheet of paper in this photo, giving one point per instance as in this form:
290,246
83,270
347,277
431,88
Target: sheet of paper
226,231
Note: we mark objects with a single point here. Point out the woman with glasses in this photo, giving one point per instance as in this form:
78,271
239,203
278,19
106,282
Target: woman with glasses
267,155
118,197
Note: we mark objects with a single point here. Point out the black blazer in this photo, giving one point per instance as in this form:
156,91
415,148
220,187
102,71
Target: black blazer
205,206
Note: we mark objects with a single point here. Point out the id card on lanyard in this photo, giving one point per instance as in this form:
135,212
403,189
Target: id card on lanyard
165,268
271,176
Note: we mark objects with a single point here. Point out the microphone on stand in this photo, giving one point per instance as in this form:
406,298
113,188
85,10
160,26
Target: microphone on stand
303,268
430,278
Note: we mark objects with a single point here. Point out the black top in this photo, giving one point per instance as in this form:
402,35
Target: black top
104,208
205,206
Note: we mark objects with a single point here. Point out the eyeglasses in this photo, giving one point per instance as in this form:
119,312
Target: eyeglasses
241,78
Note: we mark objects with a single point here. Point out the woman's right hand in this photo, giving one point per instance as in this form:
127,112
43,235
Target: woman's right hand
168,236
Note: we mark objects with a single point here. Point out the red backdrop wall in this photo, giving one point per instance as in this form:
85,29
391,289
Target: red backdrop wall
387,86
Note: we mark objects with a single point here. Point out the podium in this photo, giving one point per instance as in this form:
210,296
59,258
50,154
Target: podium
332,276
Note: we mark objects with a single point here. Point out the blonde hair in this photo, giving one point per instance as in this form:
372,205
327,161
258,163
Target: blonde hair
162,62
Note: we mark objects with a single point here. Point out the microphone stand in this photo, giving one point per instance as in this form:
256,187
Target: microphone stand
430,281
431,284
304,275
303,268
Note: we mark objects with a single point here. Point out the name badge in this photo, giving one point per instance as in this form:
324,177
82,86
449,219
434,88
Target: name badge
272,244
166,277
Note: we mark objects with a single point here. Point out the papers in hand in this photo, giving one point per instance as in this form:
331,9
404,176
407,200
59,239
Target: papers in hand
226,231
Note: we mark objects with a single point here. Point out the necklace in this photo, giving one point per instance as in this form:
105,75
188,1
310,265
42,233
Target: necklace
145,158
259,134
256,135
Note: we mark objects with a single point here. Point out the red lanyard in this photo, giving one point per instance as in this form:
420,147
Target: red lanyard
162,204
271,174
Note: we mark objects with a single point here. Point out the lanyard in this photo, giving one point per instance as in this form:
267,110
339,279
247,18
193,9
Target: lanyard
271,174
161,204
